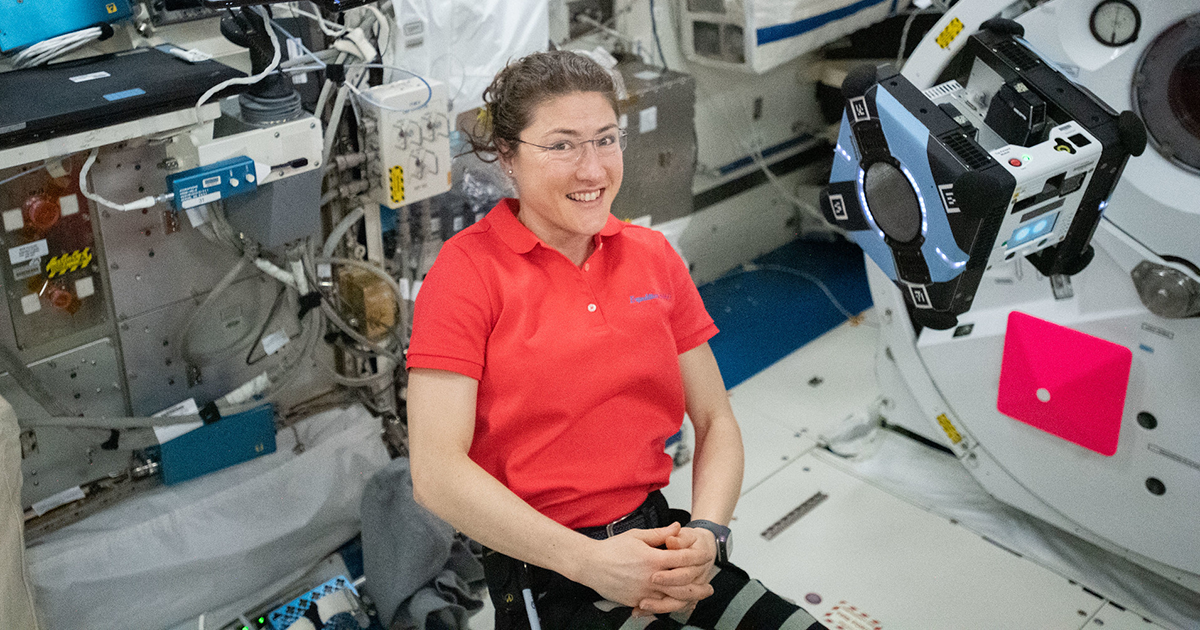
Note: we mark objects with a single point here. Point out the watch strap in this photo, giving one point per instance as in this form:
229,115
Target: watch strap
720,532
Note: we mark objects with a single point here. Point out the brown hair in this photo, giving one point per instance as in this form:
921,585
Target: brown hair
526,83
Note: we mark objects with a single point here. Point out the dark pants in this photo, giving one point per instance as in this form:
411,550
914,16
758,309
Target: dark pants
737,603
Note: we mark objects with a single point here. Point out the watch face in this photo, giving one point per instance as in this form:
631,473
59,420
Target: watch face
1115,22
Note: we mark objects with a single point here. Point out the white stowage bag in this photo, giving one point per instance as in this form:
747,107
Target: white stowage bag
16,600
173,553
463,43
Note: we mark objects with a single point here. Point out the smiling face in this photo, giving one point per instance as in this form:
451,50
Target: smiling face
566,203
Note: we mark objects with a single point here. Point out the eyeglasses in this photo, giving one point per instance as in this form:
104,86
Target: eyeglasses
609,144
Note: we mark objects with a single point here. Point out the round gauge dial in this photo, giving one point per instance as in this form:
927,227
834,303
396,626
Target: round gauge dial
1115,22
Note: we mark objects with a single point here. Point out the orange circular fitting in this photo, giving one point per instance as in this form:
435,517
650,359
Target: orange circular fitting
41,212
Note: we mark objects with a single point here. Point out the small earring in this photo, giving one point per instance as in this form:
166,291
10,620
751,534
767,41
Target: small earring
510,171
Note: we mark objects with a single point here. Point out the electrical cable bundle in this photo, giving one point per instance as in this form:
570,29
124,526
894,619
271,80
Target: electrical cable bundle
45,51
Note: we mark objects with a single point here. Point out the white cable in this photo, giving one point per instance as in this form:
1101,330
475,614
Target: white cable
185,335
44,51
340,230
274,271
144,202
301,280
295,64
335,119
748,267
326,26
22,174
327,89
245,80
385,32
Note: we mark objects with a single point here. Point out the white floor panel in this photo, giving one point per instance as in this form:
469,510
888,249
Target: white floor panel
1111,617
898,566
842,361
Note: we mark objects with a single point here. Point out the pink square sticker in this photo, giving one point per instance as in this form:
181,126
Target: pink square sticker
1064,382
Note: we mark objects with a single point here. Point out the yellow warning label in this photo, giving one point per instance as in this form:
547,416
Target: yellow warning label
397,174
110,7
948,427
68,262
949,34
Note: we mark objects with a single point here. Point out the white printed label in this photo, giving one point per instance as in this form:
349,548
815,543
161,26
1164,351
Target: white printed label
201,200
405,289
647,75
416,289
28,251
920,297
858,107
274,341
185,408
172,431
648,120
838,205
293,47
948,198
62,498
28,270
90,77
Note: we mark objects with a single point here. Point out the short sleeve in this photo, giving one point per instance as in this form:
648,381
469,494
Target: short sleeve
452,318
690,321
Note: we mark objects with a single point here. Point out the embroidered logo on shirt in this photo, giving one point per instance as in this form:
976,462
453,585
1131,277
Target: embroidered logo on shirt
633,299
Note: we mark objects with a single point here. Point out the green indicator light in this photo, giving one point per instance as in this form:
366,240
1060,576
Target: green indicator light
1026,157
262,619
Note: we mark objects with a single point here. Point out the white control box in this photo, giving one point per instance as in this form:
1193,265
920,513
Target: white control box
407,140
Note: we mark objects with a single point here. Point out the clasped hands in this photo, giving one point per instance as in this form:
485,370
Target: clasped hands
632,570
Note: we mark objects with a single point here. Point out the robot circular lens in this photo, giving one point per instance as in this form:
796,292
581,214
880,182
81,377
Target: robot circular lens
1021,233
1041,225
892,202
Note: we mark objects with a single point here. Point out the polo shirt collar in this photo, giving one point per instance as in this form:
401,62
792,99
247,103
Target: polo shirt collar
520,239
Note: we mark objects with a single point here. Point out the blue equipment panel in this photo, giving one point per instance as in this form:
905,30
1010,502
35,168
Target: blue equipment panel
206,184
228,441
25,22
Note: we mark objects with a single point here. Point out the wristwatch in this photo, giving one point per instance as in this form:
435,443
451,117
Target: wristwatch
723,534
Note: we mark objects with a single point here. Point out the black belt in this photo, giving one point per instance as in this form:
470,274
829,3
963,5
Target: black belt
652,513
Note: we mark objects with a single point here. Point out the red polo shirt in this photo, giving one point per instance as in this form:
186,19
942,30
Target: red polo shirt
578,368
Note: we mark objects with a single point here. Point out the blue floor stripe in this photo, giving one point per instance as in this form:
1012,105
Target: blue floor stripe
765,315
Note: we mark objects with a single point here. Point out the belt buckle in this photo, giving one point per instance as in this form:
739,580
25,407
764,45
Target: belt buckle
609,529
